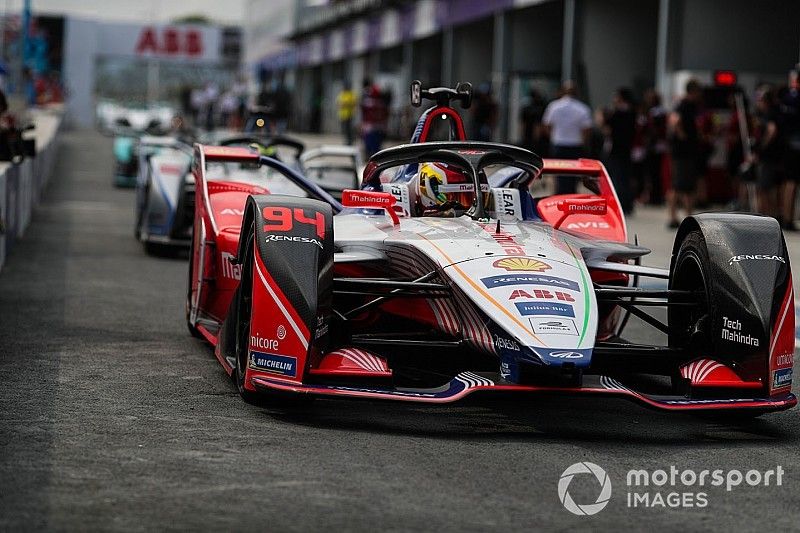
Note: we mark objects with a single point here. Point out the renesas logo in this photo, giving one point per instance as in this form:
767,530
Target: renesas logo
503,343
230,270
275,364
756,257
529,279
271,237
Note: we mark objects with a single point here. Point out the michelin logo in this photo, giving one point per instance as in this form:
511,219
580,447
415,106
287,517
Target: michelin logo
275,364
782,378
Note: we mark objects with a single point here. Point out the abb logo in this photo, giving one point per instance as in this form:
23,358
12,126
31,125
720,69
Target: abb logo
283,219
170,41
542,294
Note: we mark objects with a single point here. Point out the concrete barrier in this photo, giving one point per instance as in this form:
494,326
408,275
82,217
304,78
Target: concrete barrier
21,185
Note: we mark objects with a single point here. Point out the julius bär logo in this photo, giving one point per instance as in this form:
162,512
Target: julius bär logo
521,264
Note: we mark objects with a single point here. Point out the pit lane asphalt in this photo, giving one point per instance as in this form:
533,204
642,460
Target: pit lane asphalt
113,418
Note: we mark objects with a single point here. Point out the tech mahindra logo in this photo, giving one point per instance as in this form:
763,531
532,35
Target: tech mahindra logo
230,270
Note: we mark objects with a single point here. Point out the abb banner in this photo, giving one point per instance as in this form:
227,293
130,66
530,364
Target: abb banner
170,42
180,42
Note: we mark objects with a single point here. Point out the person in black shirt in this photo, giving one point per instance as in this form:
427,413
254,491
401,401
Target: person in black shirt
620,129
767,153
789,118
684,147
534,137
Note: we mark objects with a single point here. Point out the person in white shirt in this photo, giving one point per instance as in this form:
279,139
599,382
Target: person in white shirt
569,123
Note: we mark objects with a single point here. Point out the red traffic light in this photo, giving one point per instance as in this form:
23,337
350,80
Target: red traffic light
724,78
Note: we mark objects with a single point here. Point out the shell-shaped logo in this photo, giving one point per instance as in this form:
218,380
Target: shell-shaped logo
521,264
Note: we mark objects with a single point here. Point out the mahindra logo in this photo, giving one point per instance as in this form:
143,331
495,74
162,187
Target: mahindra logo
566,355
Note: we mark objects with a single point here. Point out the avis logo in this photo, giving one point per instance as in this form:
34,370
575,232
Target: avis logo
588,225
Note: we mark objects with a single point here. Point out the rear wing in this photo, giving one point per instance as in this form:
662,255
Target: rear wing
204,154
226,154
582,167
597,174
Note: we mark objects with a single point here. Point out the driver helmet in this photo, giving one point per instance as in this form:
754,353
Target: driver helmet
440,188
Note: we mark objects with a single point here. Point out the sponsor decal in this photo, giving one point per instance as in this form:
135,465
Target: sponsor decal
170,169
553,326
505,240
782,378
503,343
732,331
170,42
505,370
262,343
584,206
521,264
541,294
784,360
588,225
282,219
506,204
281,332
229,269
234,212
545,308
529,279
566,355
271,237
275,364
760,257
322,327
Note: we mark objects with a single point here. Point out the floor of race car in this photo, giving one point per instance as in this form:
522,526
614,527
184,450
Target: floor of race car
113,418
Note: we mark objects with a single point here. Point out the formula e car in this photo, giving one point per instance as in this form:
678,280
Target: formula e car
443,276
436,298
126,149
164,193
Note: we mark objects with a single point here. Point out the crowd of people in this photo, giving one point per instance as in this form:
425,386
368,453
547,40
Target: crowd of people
209,107
655,154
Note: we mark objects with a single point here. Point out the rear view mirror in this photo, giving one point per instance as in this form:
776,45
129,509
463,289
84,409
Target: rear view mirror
583,206
371,200
464,89
416,93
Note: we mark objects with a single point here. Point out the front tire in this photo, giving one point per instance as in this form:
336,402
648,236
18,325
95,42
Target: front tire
244,297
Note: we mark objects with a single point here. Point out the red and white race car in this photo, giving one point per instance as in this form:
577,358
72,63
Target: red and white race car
444,276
